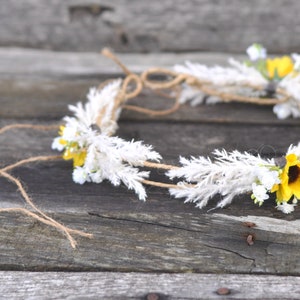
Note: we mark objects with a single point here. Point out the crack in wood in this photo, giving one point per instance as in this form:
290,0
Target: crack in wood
142,222
234,252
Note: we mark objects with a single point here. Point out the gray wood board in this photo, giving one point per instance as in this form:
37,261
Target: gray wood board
140,26
40,84
162,234
117,286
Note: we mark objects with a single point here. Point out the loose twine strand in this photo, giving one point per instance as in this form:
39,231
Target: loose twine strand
131,87
38,214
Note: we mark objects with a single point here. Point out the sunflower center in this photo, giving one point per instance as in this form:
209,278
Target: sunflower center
293,173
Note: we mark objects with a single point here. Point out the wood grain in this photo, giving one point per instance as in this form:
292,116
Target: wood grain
40,85
160,235
116,286
140,26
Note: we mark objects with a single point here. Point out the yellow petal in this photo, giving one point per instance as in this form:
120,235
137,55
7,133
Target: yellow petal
295,187
61,130
68,154
63,142
280,66
291,159
79,159
285,66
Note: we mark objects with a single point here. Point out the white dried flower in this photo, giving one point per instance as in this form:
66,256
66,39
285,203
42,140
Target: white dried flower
56,145
286,208
96,154
296,58
256,51
259,192
267,178
80,175
230,174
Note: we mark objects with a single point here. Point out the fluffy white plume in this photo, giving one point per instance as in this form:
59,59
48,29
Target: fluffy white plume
107,157
230,174
238,74
111,158
221,76
99,102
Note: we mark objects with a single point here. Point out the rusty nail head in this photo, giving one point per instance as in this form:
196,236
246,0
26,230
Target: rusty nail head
223,291
250,240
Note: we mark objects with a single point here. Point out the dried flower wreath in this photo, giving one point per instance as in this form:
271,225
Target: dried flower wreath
88,137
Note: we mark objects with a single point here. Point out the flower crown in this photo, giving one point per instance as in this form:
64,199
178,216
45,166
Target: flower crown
88,137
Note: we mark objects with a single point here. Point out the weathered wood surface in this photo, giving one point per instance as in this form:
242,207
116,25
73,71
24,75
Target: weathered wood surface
162,234
141,26
48,81
117,286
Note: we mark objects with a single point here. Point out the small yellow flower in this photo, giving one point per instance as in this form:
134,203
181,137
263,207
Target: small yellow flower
77,156
279,67
72,150
290,180
61,130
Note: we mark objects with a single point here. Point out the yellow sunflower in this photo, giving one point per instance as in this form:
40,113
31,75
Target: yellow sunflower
290,180
279,67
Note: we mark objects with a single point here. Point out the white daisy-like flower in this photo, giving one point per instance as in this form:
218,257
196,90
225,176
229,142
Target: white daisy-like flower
256,51
259,192
267,178
80,175
286,208
296,58
282,110
57,145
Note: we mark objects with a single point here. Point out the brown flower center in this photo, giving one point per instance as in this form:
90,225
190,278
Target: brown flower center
293,173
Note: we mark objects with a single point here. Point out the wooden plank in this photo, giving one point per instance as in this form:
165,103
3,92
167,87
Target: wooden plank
113,286
162,234
33,63
41,84
134,25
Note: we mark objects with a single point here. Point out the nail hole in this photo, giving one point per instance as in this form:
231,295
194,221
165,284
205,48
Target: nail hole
249,224
92,11
123,38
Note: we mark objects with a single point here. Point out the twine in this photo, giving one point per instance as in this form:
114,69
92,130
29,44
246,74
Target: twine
30,126
38,214
173,81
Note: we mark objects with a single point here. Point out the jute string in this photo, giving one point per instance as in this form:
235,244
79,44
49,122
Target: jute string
174,81
38,214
